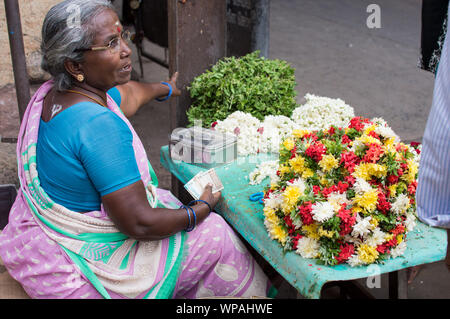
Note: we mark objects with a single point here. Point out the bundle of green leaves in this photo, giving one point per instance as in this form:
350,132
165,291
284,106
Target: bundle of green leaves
250,84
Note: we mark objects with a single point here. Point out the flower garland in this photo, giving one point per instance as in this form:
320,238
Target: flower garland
344,194
245,127
319,112
255,136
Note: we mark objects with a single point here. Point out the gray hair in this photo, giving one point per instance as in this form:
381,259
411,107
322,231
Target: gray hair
66,29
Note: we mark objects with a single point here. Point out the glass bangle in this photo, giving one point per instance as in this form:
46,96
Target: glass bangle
195,218
200,200
188,228
168,95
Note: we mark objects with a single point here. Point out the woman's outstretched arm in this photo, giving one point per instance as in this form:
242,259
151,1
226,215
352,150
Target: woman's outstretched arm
135,94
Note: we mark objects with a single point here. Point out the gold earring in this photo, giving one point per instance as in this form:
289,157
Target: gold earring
80,77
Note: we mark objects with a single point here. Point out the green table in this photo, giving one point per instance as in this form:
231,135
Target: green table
424,245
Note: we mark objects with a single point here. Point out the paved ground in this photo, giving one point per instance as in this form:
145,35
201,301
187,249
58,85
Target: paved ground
336,55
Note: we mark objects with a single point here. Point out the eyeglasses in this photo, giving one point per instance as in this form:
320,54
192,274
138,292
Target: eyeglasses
115,44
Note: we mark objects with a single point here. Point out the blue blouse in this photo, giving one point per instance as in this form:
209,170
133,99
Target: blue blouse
84,153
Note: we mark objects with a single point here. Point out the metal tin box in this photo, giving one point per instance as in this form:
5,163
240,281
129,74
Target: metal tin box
203,147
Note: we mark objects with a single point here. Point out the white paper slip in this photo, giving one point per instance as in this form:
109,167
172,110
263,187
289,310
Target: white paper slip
197,184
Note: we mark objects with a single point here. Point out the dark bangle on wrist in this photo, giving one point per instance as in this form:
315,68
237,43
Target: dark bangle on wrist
168,95
199,200
190,226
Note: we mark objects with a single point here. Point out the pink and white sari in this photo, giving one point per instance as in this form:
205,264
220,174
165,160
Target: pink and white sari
57,253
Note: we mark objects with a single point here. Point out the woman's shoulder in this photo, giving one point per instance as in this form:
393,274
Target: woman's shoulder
86,110
97,120
87,118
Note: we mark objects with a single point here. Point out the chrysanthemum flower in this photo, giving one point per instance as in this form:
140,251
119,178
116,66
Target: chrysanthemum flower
308,247
307,173
311,230
362,171
401,204
399,250
270,216
325,233
277,232
367,170
361,186
362,227
392,190
410,175
328,162
284,169
290,198
376,238
298,164
367,254
377,170
289,144
367,140
367,200
322,211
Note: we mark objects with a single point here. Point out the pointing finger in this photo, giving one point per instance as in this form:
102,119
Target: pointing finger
174,77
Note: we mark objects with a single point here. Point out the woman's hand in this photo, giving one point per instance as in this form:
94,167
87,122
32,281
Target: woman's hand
210,197
173,83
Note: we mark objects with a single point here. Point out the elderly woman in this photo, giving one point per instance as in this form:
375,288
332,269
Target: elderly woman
89,221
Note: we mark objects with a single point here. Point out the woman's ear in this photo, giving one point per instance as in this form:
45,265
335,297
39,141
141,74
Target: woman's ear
74,69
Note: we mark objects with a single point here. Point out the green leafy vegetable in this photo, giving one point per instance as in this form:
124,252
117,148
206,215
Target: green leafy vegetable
250,84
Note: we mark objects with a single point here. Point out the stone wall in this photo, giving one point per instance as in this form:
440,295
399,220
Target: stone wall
32,13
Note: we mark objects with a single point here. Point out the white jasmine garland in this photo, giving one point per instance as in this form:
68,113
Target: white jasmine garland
273,130
254,136
245,127
319,112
